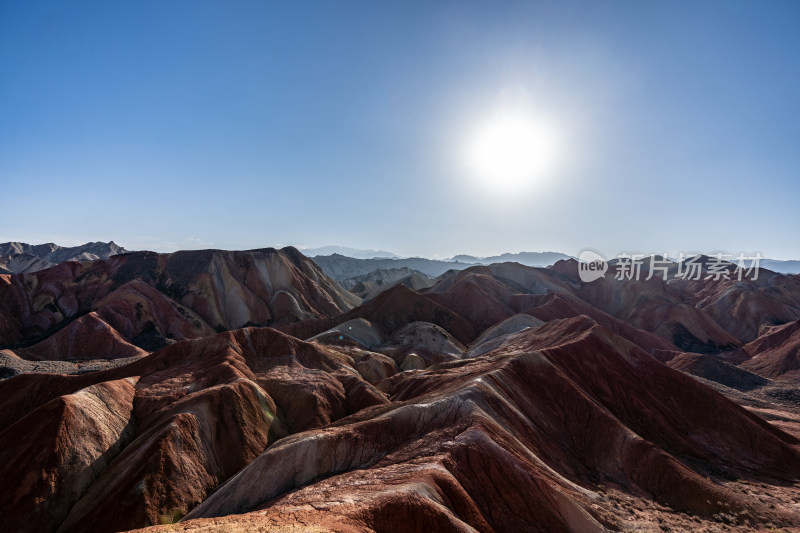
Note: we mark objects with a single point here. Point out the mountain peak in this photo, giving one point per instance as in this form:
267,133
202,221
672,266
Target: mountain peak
20,257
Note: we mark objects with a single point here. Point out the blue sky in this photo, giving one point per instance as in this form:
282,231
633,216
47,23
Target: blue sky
167,125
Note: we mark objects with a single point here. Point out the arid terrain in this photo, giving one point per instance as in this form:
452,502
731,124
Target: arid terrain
248,391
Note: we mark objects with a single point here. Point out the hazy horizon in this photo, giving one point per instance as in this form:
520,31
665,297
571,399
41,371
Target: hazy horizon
655,127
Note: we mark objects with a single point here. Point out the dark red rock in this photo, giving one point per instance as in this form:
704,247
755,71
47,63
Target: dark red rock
203,409
527,439
712,368
744,307
554,306
135,305
775,354
391,310
571,425
15,304
51,456
222,290
87,337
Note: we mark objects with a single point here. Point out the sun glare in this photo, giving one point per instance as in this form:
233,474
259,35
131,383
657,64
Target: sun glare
510,152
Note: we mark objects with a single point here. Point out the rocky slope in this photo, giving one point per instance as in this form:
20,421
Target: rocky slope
193,414
718,371
21,263
370,285
774,354
555,432
151,299
501,398
87,337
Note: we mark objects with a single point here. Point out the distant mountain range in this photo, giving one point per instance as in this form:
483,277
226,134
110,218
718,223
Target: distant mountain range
784,267
534,259
341,267
20,257
338,262
349,252
524,258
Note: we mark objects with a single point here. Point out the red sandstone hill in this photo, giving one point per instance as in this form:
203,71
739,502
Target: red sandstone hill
88,337
744,307
653,305
391,310
475,295
661,317
567,423
704,315
712,368
174,296
467,302
487,295
156,444
551,433
569,414
136,307
775,354
551,306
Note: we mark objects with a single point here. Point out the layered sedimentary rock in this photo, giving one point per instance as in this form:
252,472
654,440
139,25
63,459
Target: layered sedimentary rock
87,337
169,296
370,285
775,354
199,412
502,398
54,453
548,434
713,369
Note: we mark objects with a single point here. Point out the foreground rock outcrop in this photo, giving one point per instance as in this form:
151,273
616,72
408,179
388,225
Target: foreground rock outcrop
546,434
54,453
199,411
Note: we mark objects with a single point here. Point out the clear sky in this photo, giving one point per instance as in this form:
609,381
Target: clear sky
670,126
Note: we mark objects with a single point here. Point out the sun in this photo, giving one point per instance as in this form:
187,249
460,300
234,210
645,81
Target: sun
510,151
